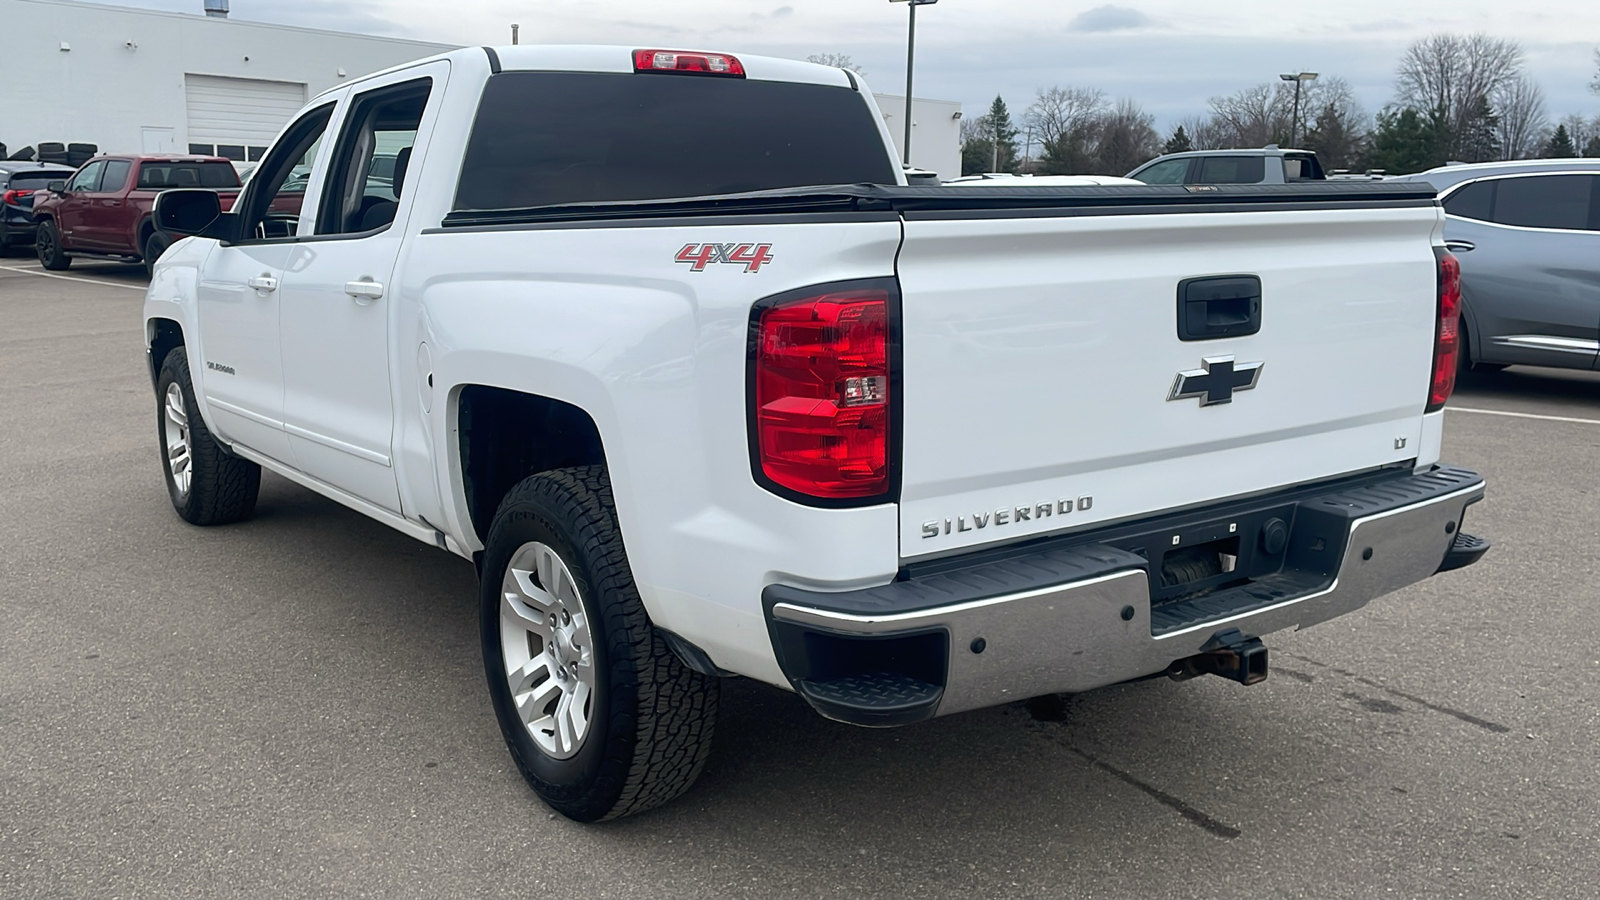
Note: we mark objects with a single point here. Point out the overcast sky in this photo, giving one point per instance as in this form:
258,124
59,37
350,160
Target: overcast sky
1169,55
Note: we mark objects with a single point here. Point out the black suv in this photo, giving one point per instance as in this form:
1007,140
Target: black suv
18,182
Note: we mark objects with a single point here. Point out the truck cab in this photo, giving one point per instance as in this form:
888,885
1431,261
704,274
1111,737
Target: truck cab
103,211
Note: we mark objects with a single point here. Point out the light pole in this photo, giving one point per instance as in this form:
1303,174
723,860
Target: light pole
911,55
1294,118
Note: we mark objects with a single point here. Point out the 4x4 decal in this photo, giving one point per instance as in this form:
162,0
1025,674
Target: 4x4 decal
751,256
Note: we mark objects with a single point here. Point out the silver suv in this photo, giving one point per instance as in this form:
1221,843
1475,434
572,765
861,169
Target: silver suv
1528,237
1269,165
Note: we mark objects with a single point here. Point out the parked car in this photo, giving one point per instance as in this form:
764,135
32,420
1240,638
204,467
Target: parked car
20,183
1268,165
104,210
754,406
1528,237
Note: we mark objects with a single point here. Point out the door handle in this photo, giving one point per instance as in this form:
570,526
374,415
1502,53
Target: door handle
1460,246
365,290
266,284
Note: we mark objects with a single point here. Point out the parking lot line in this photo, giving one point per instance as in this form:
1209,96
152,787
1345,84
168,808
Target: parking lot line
131,287
1517,415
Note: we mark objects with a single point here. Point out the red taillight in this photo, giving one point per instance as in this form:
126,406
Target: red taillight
822,394
1447,342
687,63
14,196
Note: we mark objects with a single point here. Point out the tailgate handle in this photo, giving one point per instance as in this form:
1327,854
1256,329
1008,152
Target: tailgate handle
1218,307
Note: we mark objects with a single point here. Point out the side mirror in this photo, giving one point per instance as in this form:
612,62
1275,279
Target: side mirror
56,187
198,212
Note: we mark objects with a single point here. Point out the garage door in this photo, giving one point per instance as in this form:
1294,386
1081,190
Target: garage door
238,117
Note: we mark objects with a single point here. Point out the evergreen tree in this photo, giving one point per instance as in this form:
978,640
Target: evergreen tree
1001,129
1178,143
1560,146
1477,141
1406,142
1591,150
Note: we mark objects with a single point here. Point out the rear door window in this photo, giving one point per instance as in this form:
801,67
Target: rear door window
116,176
1544,201
544,138
1232,170
1169,172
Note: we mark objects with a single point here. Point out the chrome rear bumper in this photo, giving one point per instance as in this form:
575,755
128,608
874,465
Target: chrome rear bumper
1099,630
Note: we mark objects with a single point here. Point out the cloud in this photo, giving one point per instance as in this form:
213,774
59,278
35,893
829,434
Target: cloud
1108,18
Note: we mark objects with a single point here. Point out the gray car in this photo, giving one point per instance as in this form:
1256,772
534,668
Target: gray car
1528,238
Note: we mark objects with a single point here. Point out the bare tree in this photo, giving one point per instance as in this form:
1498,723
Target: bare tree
1457,76
1519,106
838,61
1250,118
1058,111
1128,138
1583,131
1204,132
1595,84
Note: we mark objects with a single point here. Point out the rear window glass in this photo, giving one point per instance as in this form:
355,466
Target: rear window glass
1544,201
187,175
545,138
33,181
1232,170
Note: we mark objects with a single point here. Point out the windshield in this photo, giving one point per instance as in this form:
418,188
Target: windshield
159,175
545,138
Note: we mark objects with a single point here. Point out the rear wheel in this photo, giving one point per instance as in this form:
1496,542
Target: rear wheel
208,486
602,717
48,245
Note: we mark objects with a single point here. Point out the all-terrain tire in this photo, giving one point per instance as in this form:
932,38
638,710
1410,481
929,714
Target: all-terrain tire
48,246
652,717
222,488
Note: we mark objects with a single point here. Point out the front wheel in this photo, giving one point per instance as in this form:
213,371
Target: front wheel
48,245
207,485
601,716
154,247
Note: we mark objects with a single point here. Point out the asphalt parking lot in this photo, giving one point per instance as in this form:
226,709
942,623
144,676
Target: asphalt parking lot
294,707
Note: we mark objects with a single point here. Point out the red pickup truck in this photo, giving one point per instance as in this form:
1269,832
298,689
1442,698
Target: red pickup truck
103,211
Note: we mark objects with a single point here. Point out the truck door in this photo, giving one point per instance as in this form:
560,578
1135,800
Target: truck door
70,213
105,226
338,410
239,301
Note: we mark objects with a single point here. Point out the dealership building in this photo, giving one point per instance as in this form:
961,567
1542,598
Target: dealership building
140,81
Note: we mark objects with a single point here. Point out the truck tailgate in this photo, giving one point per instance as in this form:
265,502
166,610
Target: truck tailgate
1040,352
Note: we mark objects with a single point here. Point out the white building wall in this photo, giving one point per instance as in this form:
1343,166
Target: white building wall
121,83
935,132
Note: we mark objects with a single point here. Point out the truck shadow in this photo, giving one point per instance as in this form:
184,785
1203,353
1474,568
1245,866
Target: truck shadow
798,800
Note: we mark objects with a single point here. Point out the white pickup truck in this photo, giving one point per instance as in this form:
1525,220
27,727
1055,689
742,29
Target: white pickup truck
664,344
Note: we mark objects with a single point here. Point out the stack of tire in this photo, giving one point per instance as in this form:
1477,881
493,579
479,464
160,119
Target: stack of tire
73,155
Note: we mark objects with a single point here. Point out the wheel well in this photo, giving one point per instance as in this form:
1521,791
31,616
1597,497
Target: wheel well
165,335
146,228
507,436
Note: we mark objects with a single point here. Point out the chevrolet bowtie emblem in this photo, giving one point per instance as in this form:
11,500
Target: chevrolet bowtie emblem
1217,381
